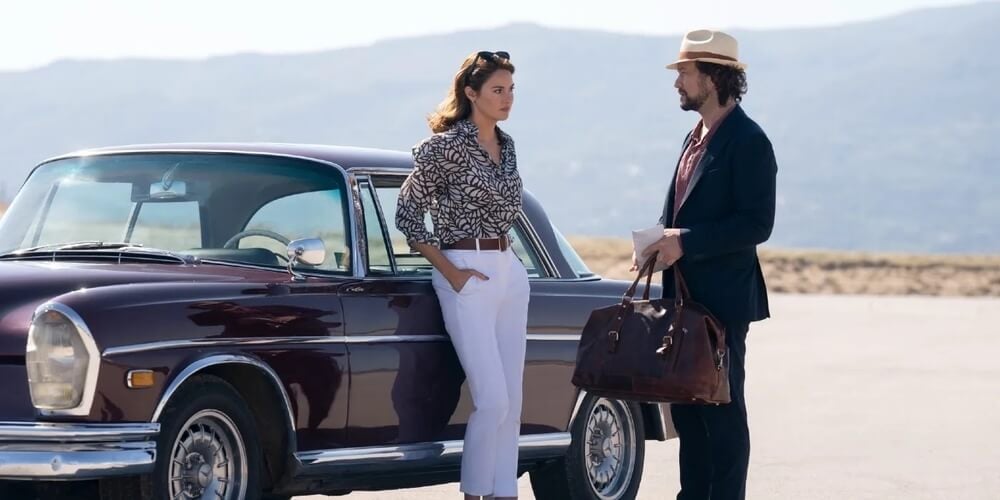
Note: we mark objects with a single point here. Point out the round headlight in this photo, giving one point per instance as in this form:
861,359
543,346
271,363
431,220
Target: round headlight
57,360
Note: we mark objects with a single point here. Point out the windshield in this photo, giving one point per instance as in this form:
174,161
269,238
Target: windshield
227,207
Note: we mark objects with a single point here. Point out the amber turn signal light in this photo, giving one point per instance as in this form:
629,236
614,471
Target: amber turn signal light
139,379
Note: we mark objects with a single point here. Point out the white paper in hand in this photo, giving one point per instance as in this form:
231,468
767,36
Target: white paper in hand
642,239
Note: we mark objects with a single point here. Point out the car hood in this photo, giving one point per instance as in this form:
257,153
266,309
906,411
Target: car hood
24,285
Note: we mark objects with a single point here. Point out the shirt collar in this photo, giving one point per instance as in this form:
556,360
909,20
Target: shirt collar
696,133
468,129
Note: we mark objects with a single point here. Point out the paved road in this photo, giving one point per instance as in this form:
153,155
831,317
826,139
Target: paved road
856,398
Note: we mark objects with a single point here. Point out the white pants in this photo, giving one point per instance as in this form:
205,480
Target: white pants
487,322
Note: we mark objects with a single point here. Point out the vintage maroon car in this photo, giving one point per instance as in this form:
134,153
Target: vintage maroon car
234,321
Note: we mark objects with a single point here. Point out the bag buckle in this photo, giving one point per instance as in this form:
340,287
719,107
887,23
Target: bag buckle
613,335
668,342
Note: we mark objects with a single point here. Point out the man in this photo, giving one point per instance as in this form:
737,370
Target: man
720,206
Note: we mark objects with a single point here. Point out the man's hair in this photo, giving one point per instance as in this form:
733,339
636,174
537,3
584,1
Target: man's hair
730,81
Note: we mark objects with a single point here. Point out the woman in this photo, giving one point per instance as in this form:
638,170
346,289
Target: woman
466,176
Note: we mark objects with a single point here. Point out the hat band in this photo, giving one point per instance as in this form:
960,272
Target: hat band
705,55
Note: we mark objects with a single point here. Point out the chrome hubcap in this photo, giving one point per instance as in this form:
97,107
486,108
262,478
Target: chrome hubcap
208,459
609,447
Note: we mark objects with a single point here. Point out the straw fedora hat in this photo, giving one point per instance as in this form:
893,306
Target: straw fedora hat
709,46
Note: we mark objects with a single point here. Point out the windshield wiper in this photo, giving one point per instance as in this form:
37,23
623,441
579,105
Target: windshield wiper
98,245
76,245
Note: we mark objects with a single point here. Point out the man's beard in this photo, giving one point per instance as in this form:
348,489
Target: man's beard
695,103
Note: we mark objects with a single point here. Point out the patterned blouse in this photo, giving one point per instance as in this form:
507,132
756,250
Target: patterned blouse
466,192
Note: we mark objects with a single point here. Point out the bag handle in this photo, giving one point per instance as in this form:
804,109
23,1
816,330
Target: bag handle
647,270
680,285
616,324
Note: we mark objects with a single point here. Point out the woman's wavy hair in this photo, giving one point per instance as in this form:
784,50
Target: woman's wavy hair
474,72
730,82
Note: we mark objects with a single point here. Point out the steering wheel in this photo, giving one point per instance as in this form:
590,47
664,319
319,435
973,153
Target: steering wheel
235,240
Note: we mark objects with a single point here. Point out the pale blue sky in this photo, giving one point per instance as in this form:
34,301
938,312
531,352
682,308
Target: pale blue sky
36,32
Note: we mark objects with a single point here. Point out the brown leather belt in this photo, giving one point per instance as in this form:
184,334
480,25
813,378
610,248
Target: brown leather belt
502,243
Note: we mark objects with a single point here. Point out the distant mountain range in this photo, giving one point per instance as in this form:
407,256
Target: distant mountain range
885,131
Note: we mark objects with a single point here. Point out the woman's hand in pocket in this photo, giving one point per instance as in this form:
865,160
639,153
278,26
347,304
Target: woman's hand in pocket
460,278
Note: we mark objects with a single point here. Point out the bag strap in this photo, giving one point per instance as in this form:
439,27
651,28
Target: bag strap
647,271
616,324
680,286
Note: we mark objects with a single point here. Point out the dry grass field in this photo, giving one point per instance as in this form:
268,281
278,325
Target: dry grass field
829,272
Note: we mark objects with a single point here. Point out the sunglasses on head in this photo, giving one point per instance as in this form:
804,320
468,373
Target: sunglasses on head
486,55
491,56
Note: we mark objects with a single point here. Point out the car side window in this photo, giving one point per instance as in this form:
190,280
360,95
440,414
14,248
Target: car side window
410,263
379,259
407,261
526,252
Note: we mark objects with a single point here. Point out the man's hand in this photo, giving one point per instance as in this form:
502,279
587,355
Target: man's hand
669,247
635,263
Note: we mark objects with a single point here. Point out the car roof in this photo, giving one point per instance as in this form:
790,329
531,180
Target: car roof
347,157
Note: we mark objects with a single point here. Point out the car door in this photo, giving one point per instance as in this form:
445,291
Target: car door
304,318
406,381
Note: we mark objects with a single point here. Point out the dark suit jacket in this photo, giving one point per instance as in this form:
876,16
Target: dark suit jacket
729,210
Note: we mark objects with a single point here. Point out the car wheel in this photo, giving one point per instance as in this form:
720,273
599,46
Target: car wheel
605,458
206,448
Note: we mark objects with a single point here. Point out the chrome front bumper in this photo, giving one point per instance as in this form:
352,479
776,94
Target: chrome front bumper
33,450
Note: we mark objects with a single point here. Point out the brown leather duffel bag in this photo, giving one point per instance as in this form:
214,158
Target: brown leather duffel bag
668,350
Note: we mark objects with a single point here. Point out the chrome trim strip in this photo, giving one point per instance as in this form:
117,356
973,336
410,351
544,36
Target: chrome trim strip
350,339
95,153
426,278
536,242
257,341
381,171
203,363
31,450
576,408
381,339
543,441
420,451
375,454
75,433
359,255
570,280
552,337
93,364
370,187
76,465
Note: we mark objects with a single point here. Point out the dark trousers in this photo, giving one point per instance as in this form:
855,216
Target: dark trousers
715,439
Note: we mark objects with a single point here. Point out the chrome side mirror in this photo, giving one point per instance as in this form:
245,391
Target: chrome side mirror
309,251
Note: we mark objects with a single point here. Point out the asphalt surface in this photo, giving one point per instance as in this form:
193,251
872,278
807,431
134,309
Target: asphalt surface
855,398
